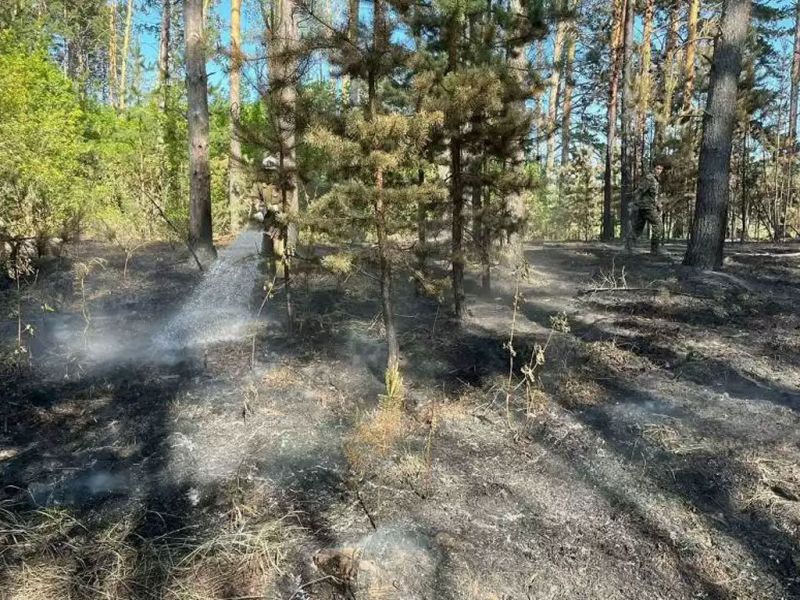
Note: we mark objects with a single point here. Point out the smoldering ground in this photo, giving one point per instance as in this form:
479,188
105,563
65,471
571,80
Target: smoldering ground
656,457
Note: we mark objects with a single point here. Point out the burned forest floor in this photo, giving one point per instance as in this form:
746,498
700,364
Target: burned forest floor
601,425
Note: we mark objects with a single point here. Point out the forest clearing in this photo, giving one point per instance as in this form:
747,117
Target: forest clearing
376,299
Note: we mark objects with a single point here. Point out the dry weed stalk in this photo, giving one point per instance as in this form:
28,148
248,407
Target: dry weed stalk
530,378
82,271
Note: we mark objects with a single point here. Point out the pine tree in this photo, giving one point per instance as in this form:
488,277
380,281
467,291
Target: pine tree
615,68
708,227
200,232
235,171
375,155
626,116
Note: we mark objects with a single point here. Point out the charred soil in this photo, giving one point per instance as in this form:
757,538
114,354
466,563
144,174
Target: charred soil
645,442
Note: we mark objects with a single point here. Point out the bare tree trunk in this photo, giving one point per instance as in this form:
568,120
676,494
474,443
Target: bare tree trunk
457,246
387,297
626,157
707,238
668,79
743,180
163,51
112,52
792,140
235,160
552,107
569,84
283,79
454,32
691,53
283,41
514,202
607,232
126,41
349,85
200,233
644,82
539,114
422,231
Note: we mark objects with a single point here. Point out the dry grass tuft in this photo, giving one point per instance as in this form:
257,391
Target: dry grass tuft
608,356
283,377
777,485
373,438
669,439
575,391
51,555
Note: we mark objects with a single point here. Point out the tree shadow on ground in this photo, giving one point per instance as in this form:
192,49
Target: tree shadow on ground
701,479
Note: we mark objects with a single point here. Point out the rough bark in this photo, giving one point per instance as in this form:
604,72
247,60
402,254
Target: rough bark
626,146
618,18
707,238
200,234
283,43
514,202
235,183
126,42
284,38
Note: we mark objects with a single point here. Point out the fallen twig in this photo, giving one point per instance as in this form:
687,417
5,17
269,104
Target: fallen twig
641,289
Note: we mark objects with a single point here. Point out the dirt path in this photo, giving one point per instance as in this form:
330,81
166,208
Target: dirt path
654,453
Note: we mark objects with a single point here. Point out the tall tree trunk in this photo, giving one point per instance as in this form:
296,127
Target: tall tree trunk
422,234
569,85
486,246
349,85
284,38
112,52
668,79
457,246
626,151
552,106
618,19
793,91
235,183
707,238
387,297
126,42
163,51
283,80
745,209
691,53
454,32
540,118
200,234
644,80
163,44
514,201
